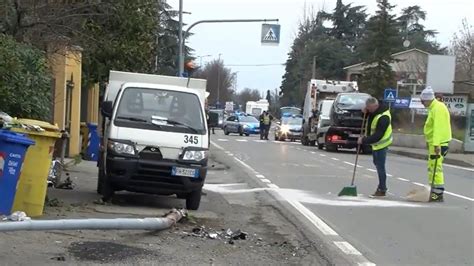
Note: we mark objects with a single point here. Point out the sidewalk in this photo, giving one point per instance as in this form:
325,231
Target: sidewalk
459,159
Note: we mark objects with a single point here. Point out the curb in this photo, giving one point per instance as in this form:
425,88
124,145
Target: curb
424,157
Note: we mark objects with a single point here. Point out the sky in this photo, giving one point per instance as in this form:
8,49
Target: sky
239,43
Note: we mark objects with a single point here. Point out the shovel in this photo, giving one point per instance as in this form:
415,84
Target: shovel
423,194
352,189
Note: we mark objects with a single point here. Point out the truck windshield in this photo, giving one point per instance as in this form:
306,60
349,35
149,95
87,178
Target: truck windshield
163,110
350,101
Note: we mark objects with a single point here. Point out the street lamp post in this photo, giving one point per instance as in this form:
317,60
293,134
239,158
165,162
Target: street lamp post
219,80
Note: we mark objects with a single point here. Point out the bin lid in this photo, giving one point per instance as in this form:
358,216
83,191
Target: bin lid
50,130
12,137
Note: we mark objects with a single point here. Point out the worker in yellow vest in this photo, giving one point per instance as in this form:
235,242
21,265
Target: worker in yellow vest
437,132
378,134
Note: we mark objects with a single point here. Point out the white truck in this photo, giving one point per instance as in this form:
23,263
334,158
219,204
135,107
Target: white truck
317,104
256,108
155,136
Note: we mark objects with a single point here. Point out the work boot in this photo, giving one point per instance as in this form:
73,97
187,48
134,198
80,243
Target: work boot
436,197
378,193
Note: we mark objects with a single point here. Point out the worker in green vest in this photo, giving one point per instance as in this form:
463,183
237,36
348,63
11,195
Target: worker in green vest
378,134
437,132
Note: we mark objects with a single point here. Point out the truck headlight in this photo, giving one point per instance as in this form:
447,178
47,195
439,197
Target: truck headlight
341,111
190,155
285,129
122,148
246,126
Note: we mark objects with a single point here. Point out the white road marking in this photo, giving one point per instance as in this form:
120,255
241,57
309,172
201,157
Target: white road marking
459,167
217,146
244,164
273,186
349,163
459,196
310,165
347,248
322,155
315,220
371,170
313,152
241,140
259,140
260,176
419,184
366,264
335,159
389,175
231,154
264,180
223,140
403,179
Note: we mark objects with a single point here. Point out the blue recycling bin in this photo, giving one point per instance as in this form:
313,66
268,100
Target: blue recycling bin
13,147
92,150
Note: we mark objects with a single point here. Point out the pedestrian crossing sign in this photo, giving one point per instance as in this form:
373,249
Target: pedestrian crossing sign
390,95
270,34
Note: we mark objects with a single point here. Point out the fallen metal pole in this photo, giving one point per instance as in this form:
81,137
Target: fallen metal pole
97,224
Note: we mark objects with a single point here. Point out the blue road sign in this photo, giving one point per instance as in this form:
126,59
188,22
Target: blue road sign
270,34
402,103
389,95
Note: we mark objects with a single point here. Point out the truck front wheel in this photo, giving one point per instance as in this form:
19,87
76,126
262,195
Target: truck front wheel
193,200
106,189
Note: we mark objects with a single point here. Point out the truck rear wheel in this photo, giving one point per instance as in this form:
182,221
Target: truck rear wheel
320,146
305,141
193,200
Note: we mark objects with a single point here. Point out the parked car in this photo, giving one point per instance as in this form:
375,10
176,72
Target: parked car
290,127
242,124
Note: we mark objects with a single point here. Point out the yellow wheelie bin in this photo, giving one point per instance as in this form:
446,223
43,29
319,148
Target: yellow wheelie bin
32,185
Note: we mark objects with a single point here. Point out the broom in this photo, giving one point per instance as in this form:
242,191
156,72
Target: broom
352,189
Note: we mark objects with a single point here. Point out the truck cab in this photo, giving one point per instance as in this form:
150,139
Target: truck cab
155,138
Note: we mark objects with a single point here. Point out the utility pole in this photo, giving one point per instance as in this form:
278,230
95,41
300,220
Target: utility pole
180,40
313,76
219,80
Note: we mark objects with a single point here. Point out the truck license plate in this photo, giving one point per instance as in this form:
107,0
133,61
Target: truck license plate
188,172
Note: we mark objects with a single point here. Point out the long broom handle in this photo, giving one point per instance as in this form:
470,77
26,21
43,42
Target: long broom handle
364,120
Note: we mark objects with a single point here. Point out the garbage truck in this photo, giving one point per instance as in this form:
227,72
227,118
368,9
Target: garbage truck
155,137
318,97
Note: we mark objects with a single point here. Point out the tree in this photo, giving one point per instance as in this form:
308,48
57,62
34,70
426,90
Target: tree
25,86
462,46
381,41
412,30
246,95
220,81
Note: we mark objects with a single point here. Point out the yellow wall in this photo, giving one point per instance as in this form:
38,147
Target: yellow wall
66,65
93,103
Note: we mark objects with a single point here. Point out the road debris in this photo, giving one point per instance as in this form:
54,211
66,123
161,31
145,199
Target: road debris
228,234
17,216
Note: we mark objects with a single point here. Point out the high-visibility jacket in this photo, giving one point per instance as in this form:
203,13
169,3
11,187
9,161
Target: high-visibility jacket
266,119
387,138
437,128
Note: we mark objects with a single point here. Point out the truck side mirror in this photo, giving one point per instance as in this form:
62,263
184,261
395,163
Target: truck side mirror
107,109
213,119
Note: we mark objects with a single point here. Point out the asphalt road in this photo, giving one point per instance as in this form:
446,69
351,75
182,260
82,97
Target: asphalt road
389,231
